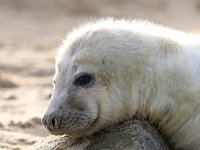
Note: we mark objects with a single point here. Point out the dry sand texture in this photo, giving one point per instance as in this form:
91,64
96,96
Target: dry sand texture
30,33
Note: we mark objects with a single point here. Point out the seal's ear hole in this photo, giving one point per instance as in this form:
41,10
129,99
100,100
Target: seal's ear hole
107,62
84,80
104,61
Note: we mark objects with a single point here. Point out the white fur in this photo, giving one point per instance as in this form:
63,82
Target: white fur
149,70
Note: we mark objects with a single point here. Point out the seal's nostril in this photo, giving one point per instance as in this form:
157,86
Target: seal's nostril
53,122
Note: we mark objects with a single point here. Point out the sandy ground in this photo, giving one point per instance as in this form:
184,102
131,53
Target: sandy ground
30,33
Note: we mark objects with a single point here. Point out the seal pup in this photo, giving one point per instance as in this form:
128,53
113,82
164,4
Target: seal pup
108,71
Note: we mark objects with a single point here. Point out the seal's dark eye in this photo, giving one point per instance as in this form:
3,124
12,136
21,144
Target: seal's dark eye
84,80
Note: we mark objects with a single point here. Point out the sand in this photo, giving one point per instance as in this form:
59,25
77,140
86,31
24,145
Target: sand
30,33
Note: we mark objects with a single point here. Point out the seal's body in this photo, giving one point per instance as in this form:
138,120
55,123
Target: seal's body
112,70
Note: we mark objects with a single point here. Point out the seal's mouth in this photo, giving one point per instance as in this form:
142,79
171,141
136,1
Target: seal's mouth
57,132
75,128
89,129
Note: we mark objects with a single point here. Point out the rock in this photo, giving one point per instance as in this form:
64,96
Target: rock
20,124
11,97
7,84
36,120
137,134
1,125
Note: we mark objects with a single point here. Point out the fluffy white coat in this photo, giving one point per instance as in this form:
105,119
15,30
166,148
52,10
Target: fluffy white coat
142,69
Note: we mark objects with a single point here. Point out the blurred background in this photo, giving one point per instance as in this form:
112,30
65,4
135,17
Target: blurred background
30,33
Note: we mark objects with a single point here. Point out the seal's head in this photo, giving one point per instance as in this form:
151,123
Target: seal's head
91,82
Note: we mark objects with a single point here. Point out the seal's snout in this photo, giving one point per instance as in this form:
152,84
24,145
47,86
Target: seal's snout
52,121
72,109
